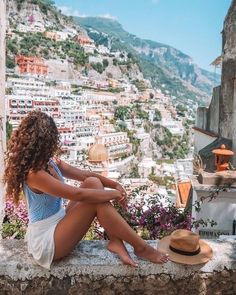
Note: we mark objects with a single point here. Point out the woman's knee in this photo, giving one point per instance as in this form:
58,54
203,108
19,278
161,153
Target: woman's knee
93,182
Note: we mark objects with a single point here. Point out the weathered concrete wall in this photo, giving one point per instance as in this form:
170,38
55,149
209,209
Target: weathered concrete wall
2,104
213,111
90,269
228,73
201,120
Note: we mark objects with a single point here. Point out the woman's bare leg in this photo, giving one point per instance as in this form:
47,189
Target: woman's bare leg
71,229
115,245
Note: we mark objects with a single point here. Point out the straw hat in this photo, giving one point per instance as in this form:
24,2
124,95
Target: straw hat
184,246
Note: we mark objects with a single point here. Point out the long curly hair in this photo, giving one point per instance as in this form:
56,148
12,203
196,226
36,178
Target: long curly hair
30,147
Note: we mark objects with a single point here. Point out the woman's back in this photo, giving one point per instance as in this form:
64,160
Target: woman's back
42,205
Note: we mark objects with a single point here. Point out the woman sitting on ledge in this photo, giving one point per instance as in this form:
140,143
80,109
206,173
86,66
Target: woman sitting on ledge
53,232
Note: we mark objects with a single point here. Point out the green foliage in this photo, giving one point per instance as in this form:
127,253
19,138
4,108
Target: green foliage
181,109
9,129
140,85
122,113
115,62
15,229
12,46
157,116
105,63
97,67
10,62
19,4
37,44
134,172
166,181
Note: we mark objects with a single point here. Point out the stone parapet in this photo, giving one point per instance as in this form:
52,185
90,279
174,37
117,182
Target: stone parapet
91,269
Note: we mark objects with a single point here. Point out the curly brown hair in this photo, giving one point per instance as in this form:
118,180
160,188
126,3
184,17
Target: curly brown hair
30,147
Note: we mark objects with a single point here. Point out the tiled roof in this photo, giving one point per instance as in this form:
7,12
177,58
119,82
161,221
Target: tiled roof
209,133
183,193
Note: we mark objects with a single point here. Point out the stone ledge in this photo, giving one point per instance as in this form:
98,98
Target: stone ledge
91,269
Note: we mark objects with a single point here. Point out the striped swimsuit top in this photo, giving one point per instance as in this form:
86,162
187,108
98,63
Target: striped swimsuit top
42,206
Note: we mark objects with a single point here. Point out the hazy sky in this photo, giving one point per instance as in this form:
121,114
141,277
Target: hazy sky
193,26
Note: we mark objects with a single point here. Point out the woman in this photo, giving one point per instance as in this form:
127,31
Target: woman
54,232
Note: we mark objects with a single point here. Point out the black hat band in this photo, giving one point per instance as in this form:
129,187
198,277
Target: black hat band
186,253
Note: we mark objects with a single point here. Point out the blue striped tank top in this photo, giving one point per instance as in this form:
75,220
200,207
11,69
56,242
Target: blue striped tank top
42,206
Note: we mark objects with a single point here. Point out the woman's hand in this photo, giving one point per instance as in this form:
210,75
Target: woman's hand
123,199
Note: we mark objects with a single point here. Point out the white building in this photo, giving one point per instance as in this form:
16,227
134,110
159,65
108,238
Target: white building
175,127
95,98
35,27
95,59
103,50
28,87
117,144
146,167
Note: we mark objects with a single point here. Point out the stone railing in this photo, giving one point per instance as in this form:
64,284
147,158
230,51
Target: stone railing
91,269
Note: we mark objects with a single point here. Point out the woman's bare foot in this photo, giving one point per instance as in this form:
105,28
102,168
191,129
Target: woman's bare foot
117,246
152,255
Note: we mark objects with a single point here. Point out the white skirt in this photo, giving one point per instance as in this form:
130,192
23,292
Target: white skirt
40,238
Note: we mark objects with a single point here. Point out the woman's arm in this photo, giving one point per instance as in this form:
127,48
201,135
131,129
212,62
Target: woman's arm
44,182
77,174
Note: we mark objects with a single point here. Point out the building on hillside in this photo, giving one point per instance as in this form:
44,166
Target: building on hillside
117,144
146,167
51,35
35,27
175,127
56,35
95,59
18,107
29,87
103,50
62,89
31,65
85,42
97,98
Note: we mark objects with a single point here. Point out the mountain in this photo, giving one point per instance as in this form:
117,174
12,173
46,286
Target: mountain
166,67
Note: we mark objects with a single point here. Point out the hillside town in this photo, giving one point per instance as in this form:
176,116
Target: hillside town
109,123
158,216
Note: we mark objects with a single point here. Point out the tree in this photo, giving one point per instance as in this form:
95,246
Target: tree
115,62
122,113
10,63
8,130
130,55
105,63
157,116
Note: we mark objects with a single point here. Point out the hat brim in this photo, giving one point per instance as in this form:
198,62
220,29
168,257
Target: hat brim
205,254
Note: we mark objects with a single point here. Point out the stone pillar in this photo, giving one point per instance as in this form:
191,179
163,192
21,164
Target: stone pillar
2,104
234,125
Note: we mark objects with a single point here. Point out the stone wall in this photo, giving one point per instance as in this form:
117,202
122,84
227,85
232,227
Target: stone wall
227,107
201,120
222,110
214,111
208,118
90,269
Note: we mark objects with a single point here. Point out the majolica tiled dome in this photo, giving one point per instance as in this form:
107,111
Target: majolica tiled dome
97,153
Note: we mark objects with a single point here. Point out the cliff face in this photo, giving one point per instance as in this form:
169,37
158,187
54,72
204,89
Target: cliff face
228,85
166,67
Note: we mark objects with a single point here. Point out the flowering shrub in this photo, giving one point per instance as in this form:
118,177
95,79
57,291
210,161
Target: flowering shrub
15,221
152,217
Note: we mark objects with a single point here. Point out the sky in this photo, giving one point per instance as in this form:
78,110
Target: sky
192,26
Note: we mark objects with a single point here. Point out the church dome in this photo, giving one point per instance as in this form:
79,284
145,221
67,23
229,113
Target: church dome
97,153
